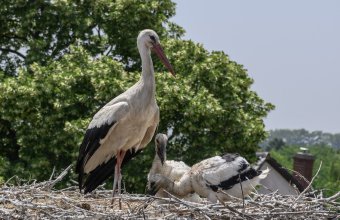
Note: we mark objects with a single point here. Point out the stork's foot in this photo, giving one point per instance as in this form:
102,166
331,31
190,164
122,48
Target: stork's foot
113,197
119,203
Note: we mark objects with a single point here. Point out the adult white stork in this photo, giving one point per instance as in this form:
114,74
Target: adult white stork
124,126
216,178
172,169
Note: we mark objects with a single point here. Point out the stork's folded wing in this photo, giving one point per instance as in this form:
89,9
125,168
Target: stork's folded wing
98,129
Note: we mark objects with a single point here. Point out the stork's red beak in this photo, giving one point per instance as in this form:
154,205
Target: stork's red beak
157,48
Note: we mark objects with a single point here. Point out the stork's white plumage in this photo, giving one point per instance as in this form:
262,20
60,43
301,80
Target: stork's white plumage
125,125
172,169
211,176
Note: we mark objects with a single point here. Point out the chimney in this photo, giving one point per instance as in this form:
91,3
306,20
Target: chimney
303,164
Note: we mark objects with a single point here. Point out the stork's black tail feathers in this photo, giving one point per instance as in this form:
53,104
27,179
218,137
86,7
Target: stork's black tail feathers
99,175
104,171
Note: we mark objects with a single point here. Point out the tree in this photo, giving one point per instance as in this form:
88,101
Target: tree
39,31
335,171
209,107
276,144
303,137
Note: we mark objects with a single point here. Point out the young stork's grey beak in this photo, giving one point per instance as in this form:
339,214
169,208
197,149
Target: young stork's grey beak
161,142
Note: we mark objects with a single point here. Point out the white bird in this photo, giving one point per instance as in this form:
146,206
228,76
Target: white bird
216,178
124,126
172,169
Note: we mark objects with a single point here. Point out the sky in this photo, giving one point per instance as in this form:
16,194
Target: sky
290,48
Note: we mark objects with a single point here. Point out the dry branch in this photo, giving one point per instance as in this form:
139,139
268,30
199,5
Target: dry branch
309,185
40,201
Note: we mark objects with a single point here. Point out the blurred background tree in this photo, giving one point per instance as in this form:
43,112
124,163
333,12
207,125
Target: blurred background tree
276,143
40,31
62,60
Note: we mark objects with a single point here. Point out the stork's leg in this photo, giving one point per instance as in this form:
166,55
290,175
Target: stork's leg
115,178
122,155
118,175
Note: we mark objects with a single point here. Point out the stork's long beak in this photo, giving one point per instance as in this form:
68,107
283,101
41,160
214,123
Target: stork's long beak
160,151
157,48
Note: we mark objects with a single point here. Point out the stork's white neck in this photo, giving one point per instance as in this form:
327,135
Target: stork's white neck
148,76
157,164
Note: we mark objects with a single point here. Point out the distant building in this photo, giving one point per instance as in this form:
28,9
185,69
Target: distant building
281,179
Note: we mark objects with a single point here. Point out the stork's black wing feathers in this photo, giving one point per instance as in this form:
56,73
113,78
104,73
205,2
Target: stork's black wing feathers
229,183
89,145
105,170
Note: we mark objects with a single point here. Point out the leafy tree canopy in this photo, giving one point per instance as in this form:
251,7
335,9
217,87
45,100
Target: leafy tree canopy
39,31
209,107
276,144
302,137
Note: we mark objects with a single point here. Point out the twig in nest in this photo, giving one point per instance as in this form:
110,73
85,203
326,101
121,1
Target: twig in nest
52,174
239,177
309,185
230,196
144,205
238,212
32,200
187,204
231,208
334,197
10,179
297,173
59,178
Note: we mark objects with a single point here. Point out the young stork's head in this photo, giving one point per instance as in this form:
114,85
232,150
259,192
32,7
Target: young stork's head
161,141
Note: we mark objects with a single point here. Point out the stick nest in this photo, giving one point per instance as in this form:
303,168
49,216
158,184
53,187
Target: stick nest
41,201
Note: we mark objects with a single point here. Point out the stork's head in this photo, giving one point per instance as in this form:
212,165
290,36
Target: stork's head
161,141
149,39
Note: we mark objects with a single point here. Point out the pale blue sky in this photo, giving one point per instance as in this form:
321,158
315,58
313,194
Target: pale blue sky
290,48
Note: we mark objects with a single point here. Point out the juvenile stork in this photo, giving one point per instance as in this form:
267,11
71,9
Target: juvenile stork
124,126
172,169
216,178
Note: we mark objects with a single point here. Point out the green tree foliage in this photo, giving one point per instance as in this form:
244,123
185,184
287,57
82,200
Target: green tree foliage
209,107
38,31
276,144
329,176
302,137
50,108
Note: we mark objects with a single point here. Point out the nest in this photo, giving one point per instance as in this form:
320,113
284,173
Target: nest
41,201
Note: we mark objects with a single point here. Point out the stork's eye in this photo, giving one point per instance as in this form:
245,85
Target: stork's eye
153,38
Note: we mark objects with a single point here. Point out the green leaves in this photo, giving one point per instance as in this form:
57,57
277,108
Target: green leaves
50,109
220,109
40,31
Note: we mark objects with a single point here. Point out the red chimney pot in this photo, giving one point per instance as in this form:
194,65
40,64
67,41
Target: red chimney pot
303,164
